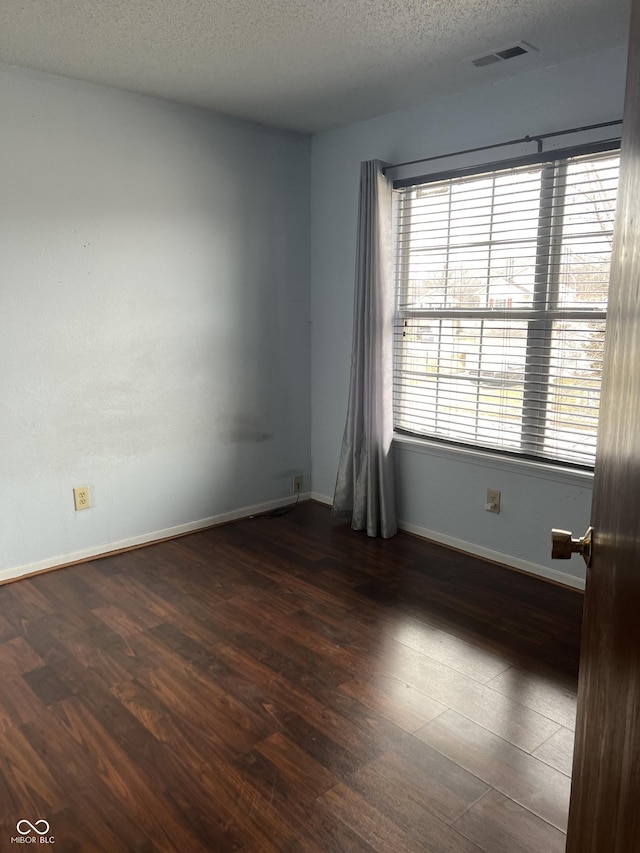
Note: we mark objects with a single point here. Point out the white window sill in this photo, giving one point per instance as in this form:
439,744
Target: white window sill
526,467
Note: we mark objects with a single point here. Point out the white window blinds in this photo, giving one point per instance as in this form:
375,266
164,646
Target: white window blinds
502,282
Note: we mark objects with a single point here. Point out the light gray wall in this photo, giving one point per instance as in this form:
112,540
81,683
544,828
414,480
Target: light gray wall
154,312
443,493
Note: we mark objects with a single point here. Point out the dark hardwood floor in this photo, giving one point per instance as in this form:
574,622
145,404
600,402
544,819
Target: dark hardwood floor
286,684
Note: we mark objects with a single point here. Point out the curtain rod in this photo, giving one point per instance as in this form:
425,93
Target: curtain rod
539,139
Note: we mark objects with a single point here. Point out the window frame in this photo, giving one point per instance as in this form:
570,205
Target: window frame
539,317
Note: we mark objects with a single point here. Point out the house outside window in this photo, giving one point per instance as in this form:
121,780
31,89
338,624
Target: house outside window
501,280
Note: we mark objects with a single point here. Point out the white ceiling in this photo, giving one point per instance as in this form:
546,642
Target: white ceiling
304,65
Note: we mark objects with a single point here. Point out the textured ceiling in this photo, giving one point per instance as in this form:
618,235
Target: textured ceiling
304,65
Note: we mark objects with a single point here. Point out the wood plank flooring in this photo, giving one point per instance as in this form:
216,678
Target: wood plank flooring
286,684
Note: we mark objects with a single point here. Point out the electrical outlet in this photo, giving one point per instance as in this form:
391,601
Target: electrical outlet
493,501
296,483
82,497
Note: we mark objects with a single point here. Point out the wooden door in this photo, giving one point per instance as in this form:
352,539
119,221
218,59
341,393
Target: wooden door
604,816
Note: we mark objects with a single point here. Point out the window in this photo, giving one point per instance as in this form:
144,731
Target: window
502,282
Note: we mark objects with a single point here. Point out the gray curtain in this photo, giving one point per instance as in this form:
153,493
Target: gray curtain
365,483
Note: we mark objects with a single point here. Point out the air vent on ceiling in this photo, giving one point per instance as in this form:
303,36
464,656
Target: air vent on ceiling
500,55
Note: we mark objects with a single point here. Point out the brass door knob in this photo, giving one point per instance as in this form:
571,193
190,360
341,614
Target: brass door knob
564,545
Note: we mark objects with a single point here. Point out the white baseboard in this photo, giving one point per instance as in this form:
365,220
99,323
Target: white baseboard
478,551
246,512
143,539
494,556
